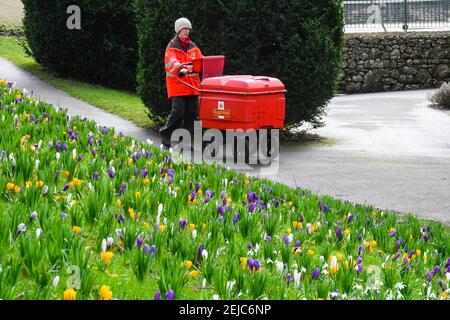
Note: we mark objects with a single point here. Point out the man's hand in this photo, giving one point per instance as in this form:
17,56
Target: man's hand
182,72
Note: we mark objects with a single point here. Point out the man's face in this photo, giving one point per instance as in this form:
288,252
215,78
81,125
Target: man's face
184,33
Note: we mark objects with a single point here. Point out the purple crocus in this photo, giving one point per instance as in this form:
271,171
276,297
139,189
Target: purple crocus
359,269
286,240
436,270
139,243
182,223
63,216
221,210
297,244
360,250
268,239
153,250
249,246
200,249
197,185
250,263
144,172
397,255
398,244
338,232
146,249
111,173
170,294
429,276
65,188
251,207
393,233
123,188
21,228
315,273
95,175
157,295
236,217
121,218
425,238
350,218
289,278
94,153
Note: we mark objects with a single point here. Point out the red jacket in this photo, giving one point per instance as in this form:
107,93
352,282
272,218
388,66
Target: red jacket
174,57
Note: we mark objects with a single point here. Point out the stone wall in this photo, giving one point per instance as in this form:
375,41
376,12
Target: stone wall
374,62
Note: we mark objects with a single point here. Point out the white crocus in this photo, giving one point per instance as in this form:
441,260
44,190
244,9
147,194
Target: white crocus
45,190
279,266
204,283
55,282
109,242
205,254
194,234
216,297
104,245
297,276
38,233
58,155
36,164
74,153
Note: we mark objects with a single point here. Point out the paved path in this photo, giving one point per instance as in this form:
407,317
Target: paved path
388,149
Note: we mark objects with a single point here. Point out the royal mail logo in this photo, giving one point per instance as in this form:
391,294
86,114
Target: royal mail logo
220,105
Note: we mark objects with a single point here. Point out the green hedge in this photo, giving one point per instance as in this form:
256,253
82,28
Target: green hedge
104,51
298,42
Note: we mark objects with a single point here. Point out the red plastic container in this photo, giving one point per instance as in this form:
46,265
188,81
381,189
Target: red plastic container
242,102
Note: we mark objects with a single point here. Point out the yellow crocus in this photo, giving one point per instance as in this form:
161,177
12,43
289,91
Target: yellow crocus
105,293
106,256
243,262
76,229
16,189
70,294
188,264
10,186
194,273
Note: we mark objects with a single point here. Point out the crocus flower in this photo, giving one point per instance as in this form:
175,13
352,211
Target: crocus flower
360,249
170,295
339,232
157,295
200,249
63,215
144,172
398,244
429,276
288,278
315,273
95,175
251,207
349,218
359,269
236,217
182,223
436,270
33,215
425,238
153,250
65,188
21,229
250,263
221,210
146,249
268,239
249,246
139,243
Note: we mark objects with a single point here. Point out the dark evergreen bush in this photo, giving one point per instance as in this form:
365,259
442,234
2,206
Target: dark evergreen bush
104,51
297,41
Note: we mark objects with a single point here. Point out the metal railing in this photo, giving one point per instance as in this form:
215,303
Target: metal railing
387,15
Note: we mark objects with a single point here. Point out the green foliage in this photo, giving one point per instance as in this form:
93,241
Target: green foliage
298,42
103,51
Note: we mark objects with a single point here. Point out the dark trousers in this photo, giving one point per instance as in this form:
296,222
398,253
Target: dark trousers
183,115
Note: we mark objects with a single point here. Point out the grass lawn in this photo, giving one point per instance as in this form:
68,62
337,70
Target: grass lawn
134,223
124,104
